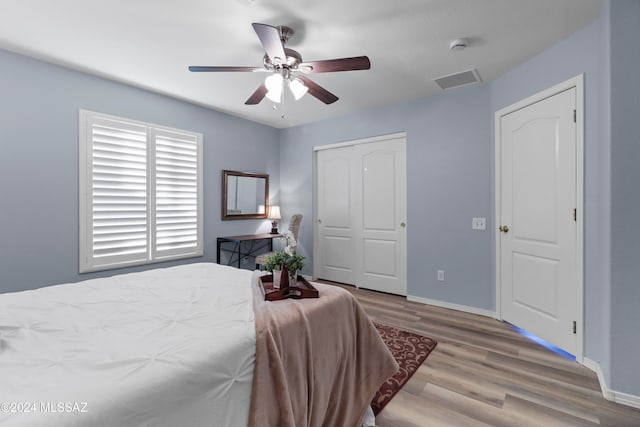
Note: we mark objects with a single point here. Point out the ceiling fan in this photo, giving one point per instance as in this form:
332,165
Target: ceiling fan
286,66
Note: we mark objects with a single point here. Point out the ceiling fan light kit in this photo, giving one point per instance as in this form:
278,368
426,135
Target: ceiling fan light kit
275,82
286,65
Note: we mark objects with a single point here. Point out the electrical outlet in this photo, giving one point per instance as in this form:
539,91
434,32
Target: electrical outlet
441,275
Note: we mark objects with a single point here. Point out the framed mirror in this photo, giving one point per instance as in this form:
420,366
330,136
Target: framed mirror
245,195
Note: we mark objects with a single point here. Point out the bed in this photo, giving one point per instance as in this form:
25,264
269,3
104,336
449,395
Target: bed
191,345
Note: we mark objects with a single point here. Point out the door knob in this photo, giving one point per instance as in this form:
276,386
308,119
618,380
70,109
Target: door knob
503,228
319,221
403,225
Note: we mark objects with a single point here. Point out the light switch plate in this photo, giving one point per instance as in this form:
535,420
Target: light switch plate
479,223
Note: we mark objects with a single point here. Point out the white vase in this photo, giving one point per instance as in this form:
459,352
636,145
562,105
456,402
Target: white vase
293,277
277,275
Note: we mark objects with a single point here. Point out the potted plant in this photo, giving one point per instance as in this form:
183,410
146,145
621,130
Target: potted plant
294,263
276,263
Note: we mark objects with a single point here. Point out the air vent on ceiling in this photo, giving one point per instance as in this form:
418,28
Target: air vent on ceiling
458,79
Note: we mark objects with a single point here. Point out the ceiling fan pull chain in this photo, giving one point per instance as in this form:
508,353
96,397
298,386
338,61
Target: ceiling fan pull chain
282,102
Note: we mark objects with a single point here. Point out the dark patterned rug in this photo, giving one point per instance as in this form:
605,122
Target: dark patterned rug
410,350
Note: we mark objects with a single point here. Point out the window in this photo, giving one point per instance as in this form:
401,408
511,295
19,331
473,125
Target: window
140,193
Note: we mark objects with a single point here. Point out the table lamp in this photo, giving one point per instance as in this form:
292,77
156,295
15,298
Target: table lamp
274,216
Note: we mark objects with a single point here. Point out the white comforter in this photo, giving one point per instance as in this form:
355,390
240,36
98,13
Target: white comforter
166,347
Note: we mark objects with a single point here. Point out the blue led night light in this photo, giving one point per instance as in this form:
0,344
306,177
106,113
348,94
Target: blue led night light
544,343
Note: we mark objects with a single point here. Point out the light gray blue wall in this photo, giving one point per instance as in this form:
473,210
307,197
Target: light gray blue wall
39,105
449,170
583,52
625,195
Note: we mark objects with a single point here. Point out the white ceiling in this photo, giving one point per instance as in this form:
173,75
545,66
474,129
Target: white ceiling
150,43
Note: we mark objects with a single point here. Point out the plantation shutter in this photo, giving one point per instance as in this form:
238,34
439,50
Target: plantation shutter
118,193
177,207
140,193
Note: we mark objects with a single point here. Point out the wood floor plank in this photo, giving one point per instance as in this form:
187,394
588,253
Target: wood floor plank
471,408
531,414
575,409
412,410
483,372
559,373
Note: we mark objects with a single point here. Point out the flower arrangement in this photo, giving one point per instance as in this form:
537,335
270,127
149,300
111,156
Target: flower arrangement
290,247
294,260
288,259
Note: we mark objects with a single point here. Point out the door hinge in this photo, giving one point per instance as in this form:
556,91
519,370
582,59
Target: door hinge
575,327
575,116
575,214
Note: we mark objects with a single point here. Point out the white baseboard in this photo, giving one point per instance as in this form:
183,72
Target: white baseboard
595,367
607,393
452,306
627,399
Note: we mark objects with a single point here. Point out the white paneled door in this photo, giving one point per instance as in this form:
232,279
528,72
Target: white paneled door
540,290
335,205
361,214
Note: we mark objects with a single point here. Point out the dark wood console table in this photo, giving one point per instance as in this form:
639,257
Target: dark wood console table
258,244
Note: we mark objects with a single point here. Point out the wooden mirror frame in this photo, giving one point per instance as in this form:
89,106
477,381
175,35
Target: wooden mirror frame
254,215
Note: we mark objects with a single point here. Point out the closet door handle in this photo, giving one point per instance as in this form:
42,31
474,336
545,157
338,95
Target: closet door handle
403,225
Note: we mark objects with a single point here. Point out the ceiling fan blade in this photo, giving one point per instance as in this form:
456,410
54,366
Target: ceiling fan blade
318,91
270,38
206,68
342,64
257,96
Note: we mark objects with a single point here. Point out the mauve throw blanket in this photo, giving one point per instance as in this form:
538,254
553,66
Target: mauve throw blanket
319,361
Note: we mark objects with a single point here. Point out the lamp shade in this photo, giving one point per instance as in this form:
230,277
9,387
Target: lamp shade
273,83
274,212
298,89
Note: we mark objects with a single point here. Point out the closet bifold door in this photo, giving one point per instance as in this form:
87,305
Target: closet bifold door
335,215
361,214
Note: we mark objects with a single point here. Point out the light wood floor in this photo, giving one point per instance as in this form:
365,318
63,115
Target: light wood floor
483,373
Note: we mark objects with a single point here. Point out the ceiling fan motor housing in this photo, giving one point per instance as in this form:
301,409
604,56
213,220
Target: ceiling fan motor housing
285,33
292,61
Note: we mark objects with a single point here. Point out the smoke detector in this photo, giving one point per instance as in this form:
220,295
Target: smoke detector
458,44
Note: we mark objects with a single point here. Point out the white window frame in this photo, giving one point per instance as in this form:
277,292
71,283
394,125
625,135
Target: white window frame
88,261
